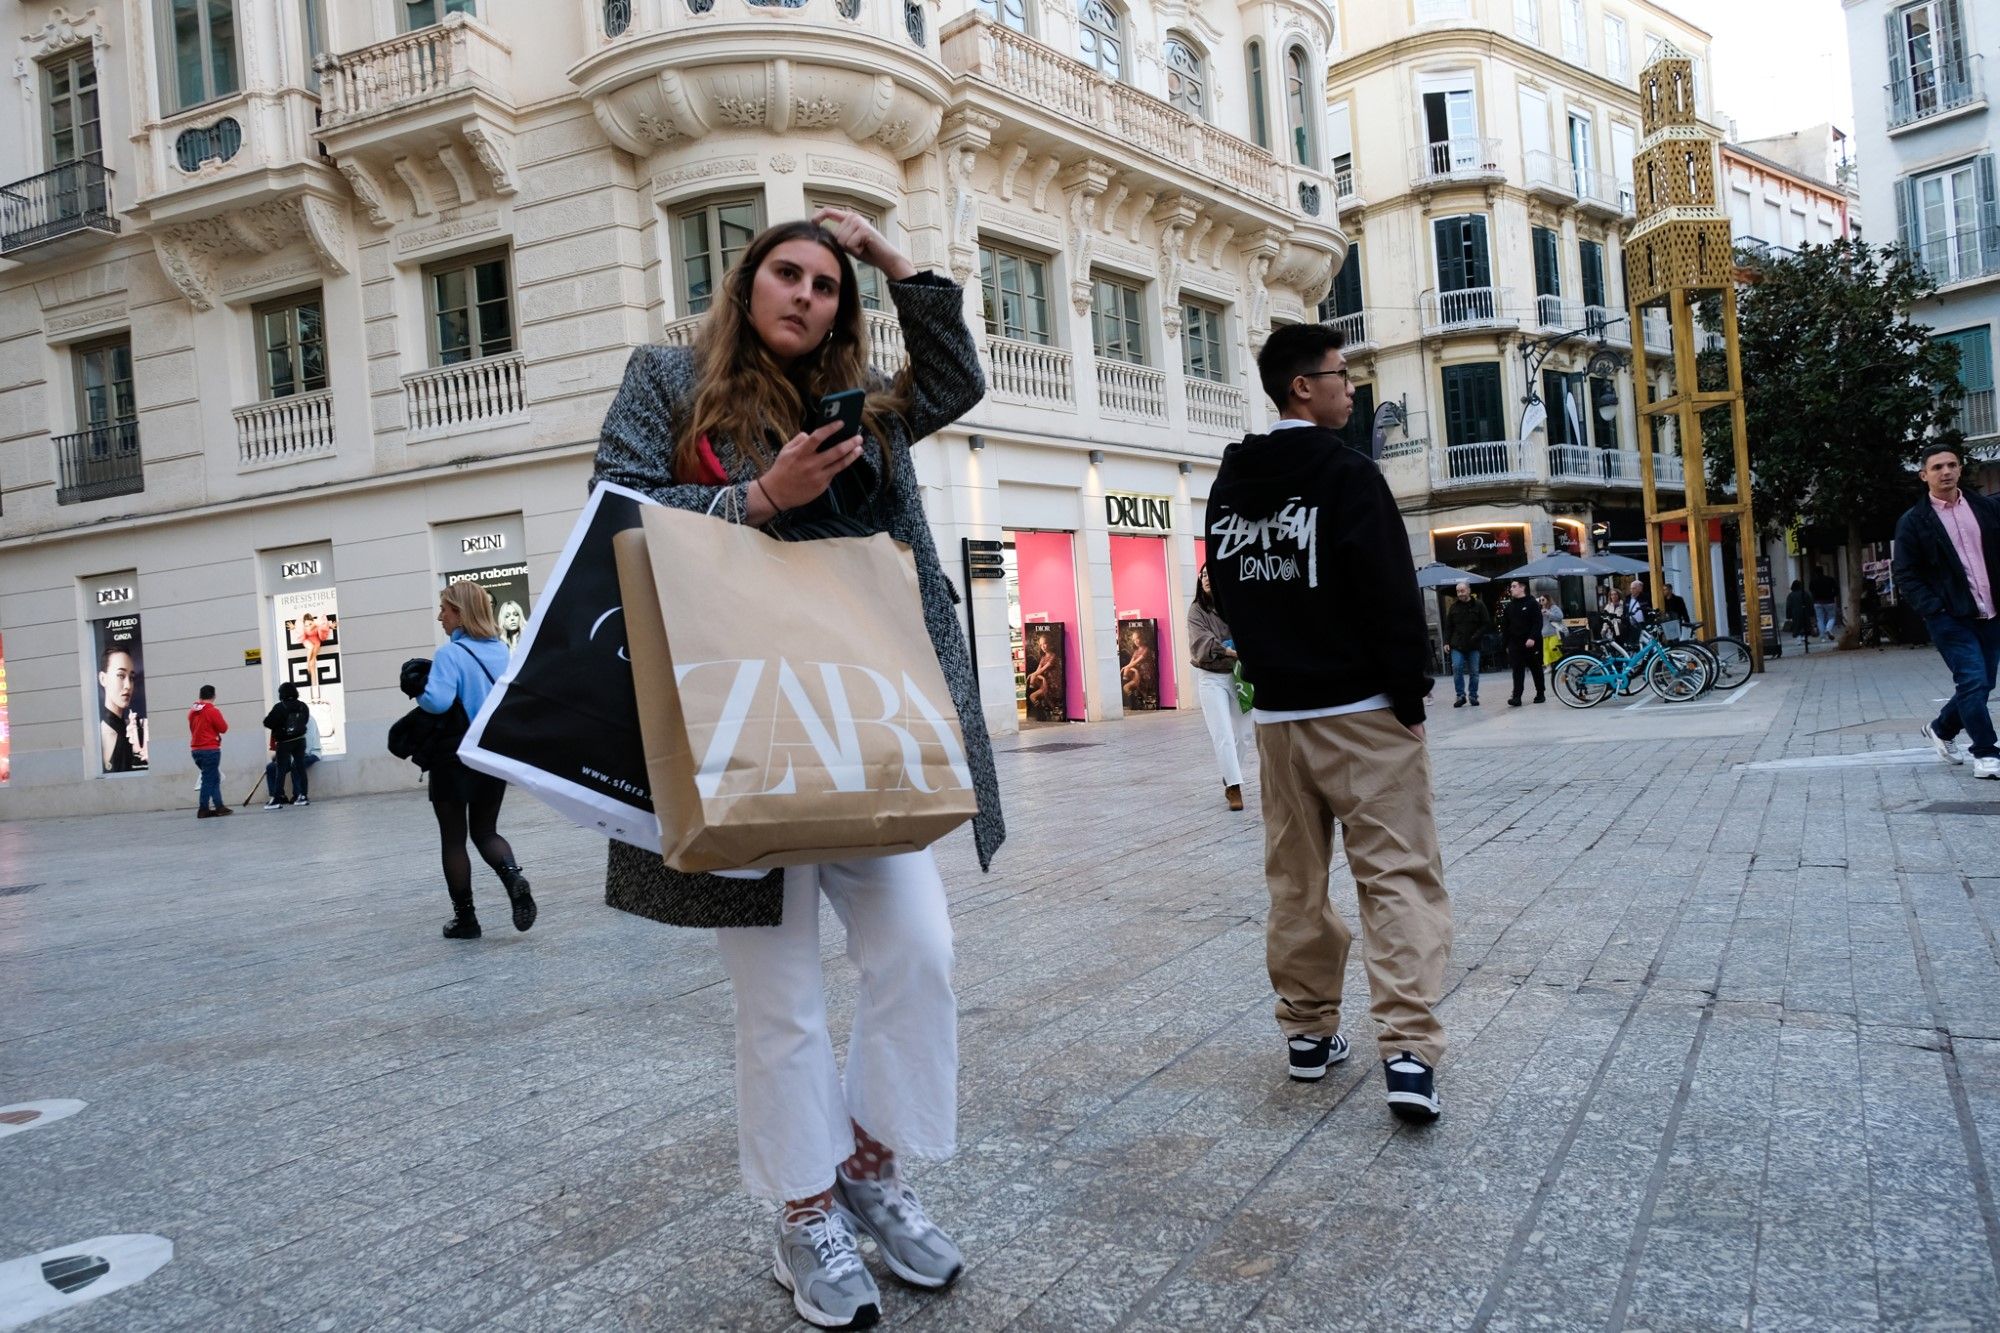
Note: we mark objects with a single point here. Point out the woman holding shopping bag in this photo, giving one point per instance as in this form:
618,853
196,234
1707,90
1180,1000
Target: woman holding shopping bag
1214,656
462,799
721,429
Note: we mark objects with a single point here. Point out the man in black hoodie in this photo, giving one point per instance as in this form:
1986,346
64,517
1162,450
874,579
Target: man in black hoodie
1309,563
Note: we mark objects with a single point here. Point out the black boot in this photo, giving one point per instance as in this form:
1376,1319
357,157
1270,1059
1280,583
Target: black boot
464,926
518,895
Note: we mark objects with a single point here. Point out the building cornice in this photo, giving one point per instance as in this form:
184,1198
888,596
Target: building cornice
1765,165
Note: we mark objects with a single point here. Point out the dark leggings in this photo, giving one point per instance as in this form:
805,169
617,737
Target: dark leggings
483,813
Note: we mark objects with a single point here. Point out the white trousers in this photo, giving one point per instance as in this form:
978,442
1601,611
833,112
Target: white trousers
1229,726
793,1109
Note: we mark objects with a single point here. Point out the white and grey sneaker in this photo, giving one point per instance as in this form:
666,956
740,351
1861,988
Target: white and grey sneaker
1948,752
819,1262
887,1212
1988,767
1311,1055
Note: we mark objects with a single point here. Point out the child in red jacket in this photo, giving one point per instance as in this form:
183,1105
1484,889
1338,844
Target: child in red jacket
205,727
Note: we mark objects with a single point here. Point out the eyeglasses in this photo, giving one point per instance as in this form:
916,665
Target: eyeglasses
1315,374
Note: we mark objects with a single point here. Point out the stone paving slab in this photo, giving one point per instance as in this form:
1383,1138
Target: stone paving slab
1723,1012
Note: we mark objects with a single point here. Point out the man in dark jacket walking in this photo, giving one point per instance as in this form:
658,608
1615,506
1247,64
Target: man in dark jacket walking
1947,566
1466,622
1309,563
1521,631
1826,602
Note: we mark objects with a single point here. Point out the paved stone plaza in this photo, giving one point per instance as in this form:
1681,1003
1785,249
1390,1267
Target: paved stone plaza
1724,1014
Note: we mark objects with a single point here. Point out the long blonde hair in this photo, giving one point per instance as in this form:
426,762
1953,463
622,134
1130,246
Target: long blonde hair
744,395
475,609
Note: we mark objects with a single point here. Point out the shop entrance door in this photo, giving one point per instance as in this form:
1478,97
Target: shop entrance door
1042,626
1147,659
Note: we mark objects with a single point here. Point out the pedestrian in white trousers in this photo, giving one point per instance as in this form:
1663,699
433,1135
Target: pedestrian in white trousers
1210,649
796,1113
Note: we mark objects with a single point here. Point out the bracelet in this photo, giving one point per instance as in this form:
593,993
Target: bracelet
776,508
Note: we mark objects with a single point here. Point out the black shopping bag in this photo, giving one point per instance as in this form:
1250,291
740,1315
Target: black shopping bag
563,721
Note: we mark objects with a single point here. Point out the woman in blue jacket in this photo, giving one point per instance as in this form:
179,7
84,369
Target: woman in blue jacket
462,673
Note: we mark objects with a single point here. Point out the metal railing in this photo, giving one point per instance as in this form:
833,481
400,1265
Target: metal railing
282,430
99,462
74,197
1602,321
1343,182
486,392
1548,173
1456,159
1658,332
885,339
1933,92
447,57
1353,329
1034,373
1552,312
1481,463
1137,393
1468,307
1975,413
1598,189
1438,11
1219,406
1961,256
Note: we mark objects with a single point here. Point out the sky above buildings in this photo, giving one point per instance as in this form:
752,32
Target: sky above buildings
1780,65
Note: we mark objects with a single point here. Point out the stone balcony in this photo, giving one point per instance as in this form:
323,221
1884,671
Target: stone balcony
422,122
886,354
679,70
1525,463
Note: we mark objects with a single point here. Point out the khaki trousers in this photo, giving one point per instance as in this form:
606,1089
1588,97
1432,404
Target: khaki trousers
1369,772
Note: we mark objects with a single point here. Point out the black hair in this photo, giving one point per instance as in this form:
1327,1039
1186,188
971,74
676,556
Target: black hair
1931,451
208,691
288,692
111,650
1203,598
1292,351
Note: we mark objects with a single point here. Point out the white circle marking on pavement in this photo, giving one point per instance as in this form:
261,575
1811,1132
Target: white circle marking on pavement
70,1275
33,1115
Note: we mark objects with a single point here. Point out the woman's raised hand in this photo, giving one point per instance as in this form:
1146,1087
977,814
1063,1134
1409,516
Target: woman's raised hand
858,237
802,472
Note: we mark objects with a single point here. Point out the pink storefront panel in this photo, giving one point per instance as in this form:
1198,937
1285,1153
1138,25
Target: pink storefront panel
1139,587
1045,564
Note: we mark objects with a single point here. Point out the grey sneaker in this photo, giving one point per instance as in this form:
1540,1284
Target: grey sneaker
1947,751
914,1247
819,1262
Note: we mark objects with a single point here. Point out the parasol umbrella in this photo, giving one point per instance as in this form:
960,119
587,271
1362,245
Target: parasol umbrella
1562,567
1622,564
1444,576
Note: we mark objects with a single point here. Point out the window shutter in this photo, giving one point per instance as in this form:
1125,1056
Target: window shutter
1450,253
1989,213
1548,277
1899,71
1478,272
1906,216
1975,359
1951,50
1592,256
1347,286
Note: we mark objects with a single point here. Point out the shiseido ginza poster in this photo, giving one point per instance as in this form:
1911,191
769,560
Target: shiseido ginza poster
308,638
122,733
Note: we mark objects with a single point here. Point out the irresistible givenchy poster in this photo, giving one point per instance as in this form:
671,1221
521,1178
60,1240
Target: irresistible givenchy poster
308,637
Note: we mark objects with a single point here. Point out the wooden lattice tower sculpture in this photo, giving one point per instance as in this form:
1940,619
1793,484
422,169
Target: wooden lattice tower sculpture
1680,252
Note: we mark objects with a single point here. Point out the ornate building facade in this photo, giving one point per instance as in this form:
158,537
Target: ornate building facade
309,306
1484,150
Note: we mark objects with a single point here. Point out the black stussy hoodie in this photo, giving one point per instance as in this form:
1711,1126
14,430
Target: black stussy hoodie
1311,569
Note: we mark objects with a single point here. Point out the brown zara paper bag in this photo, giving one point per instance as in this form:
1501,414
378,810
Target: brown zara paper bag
790,701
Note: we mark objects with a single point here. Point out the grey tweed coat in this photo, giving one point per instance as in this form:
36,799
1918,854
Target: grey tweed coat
636,450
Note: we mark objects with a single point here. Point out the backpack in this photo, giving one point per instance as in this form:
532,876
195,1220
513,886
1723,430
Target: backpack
293,723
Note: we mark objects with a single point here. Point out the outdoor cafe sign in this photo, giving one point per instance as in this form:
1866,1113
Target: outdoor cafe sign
1498,540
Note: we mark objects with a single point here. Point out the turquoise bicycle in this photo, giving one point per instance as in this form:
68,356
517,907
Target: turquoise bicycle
1674,672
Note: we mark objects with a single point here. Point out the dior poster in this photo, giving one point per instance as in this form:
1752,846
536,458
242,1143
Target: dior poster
1042,661
308,638
1139,664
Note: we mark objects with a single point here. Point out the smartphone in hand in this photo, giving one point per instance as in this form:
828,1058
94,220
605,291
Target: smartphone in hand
844,407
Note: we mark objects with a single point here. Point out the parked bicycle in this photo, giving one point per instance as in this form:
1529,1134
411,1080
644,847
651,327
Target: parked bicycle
1675,673
1733,663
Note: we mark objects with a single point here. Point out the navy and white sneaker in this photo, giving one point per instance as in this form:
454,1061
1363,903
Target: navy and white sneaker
1412,1088
1311,1055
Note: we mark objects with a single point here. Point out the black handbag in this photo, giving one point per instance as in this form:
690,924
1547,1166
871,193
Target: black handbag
845,509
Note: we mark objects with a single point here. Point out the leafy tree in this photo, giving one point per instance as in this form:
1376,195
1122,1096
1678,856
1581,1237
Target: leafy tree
1841,389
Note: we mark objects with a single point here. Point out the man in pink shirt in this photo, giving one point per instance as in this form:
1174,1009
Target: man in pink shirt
1946,567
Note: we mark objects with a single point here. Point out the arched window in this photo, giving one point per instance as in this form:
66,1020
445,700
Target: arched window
1299,100
1187,76
1100,37
1007,13
1260,110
